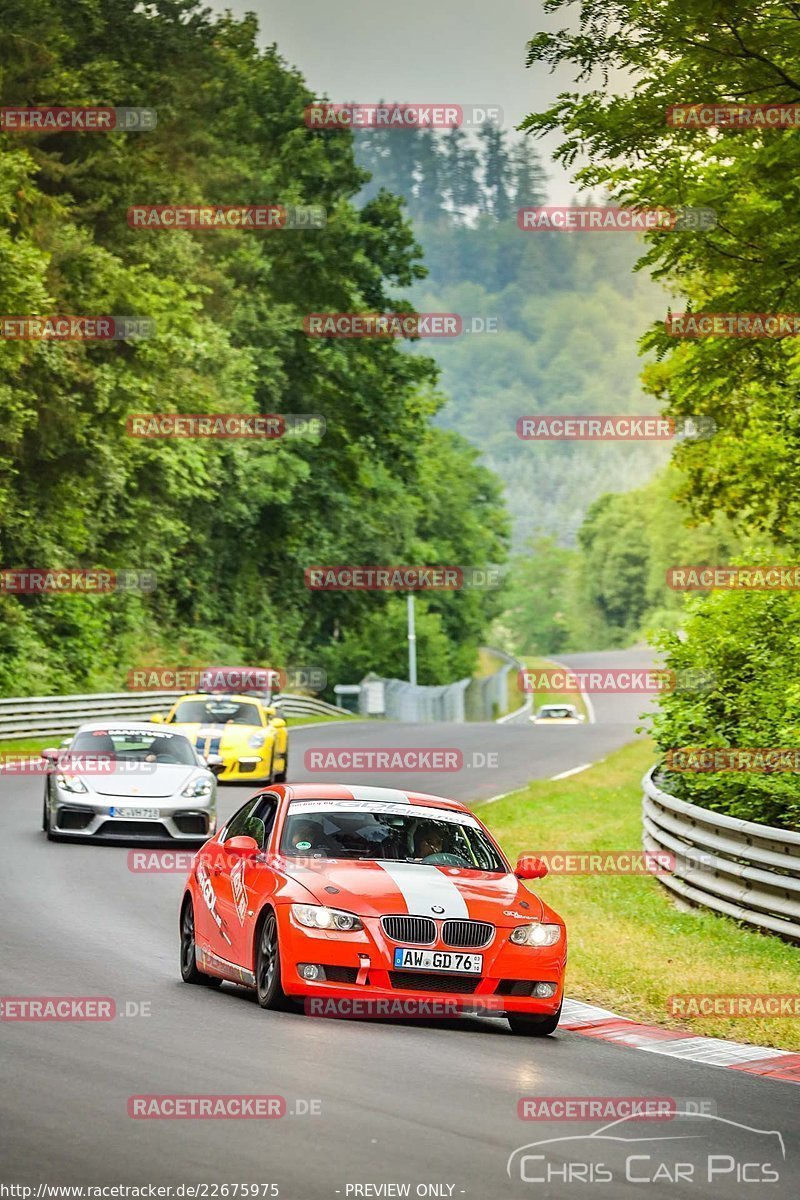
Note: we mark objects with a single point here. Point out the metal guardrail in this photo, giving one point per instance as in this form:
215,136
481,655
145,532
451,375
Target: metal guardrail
747,871
40,716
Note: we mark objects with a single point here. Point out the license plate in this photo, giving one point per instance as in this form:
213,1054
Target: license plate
406,959
137,814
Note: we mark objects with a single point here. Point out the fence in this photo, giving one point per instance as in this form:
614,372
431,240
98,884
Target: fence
40,716
481,699
739,868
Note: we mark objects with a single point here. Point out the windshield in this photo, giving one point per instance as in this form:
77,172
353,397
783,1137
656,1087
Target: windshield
441,839
556,712
216,712
130,745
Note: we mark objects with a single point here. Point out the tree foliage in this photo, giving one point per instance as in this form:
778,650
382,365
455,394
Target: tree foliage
227,526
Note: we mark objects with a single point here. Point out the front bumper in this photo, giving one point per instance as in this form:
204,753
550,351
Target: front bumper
360,964
85,819
247,767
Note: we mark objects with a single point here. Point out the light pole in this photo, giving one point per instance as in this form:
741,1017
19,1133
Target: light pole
412,641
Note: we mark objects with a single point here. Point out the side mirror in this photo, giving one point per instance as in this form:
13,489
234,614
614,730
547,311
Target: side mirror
157,719
530,867
243,847
50,754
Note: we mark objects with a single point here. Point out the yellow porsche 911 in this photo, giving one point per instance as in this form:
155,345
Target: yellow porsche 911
241,737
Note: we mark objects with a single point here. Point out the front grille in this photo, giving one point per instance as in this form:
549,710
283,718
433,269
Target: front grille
340,974
515,987
132,829
467,933
245,767
420,931
74,818
192,822
420,981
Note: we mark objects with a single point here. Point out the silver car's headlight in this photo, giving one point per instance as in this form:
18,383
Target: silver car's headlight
536,935
198,788
256,740
71,783
318,916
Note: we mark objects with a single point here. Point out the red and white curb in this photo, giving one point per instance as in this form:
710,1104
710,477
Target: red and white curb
596,1022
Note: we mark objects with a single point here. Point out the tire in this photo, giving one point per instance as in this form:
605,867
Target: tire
268,965
189,971
530,1025
281,775
46,814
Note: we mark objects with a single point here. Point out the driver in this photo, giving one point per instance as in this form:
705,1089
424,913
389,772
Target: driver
305,835
428,839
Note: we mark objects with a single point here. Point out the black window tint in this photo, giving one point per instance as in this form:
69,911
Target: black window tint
259,824
237,826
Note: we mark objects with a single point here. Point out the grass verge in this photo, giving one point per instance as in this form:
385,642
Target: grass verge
630,945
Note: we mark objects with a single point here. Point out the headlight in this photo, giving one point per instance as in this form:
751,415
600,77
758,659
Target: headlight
71,783
256,740
536,935
197,788
317,916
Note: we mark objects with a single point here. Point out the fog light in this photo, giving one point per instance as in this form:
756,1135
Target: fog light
311,971
544,990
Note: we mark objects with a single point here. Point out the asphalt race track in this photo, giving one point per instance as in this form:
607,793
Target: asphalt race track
432,1105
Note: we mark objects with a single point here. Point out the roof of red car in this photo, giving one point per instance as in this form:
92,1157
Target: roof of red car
357,791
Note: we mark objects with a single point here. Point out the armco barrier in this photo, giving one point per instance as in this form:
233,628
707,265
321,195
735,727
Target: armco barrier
739,868
40,716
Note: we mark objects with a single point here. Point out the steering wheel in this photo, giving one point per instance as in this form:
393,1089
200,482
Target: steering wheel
445,860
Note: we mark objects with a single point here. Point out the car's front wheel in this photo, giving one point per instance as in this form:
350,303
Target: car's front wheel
533,1025
268,966
280,776
189,971
46,813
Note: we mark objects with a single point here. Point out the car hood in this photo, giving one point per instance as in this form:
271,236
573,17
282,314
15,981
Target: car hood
373,889
222,737
164,780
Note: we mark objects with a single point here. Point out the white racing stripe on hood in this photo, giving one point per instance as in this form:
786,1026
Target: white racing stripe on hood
422,887
377,793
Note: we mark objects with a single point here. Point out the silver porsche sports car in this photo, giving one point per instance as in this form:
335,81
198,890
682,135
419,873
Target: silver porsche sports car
120,781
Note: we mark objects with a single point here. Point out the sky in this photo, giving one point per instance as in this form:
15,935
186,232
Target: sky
460,51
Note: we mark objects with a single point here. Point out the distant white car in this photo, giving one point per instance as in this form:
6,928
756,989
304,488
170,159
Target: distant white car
120,780
558,714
